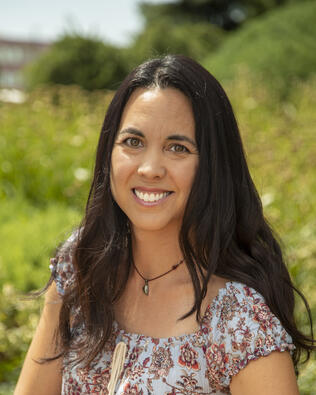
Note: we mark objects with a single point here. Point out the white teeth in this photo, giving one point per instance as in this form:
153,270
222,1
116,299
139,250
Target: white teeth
150,197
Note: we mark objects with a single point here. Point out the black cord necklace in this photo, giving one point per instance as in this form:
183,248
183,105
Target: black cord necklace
146,285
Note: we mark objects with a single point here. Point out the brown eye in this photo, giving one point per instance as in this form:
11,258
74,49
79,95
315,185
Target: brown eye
132,142
179,148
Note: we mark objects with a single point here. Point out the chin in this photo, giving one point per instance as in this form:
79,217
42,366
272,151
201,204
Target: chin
153,226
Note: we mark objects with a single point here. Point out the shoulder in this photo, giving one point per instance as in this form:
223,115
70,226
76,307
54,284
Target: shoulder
61,265
242,328
240,304
246,322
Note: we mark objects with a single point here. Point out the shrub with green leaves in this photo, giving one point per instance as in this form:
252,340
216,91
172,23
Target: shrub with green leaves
48,143
74,59
18,320
279,143
280,47
164,36
28,238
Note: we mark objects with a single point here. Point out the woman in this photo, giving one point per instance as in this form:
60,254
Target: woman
173,226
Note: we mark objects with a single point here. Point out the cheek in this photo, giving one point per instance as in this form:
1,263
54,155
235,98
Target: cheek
115,171
187,174
121,167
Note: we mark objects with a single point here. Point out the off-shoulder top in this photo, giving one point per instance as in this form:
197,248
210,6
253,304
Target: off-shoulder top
237,327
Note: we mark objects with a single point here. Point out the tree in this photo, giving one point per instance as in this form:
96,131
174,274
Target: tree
164,36
226,14
74,59
279,48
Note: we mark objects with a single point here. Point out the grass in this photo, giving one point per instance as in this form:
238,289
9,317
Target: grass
47,152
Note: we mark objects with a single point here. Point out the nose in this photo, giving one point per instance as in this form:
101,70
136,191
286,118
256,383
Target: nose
151,166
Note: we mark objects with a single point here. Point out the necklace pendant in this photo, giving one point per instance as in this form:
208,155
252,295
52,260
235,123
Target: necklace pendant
146,288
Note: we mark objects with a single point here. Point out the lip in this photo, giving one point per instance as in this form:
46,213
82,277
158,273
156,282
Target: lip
150,204
146,189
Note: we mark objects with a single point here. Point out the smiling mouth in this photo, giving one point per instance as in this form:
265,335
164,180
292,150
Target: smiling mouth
150,197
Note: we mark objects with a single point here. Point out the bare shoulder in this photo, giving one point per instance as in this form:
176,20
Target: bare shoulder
270,375
52,296
220,282
215,284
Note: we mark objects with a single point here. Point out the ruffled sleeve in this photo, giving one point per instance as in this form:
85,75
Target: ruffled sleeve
243,329
61,265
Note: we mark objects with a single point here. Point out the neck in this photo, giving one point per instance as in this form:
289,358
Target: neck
155,253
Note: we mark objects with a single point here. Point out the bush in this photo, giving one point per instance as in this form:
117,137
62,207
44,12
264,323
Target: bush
279,47
28,238
18,320
279,143
84,61
164,36
47,145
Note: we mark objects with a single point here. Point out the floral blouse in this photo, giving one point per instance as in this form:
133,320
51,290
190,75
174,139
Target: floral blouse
237,327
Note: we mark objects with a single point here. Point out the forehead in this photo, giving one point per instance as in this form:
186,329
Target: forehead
155,108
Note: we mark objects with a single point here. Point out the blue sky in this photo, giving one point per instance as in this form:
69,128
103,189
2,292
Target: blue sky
112,20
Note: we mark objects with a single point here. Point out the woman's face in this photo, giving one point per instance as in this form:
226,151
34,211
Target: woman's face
154,158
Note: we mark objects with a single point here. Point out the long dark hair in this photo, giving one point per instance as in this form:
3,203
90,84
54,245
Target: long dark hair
223,232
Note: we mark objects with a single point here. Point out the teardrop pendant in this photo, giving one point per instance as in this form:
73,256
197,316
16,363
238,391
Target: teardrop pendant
146,288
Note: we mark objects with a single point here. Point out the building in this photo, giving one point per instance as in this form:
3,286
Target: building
14,55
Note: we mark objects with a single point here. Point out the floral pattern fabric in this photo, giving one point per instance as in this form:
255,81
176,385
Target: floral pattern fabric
237,327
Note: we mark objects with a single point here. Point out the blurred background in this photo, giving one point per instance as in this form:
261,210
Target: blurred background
60,64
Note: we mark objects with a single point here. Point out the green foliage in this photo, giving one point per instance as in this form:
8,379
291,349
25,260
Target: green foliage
279,142
280,47
84,61
28,237
55,129
226,14
307,378
164,36
7,388
18,320
47,148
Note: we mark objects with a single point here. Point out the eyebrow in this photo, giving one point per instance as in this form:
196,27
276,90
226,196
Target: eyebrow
177,137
